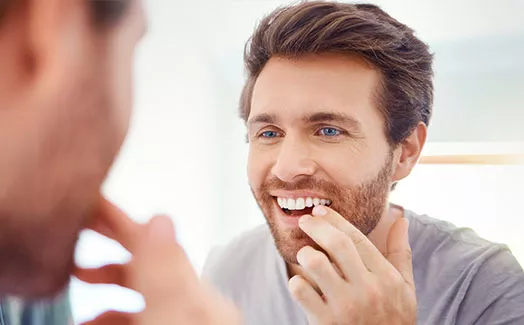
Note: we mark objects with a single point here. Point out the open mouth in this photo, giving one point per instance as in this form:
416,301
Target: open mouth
301,205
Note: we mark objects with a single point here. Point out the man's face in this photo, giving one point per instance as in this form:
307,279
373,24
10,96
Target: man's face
65,104
317,137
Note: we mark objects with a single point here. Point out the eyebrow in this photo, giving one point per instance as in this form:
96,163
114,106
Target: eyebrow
333,117
325,117
263,118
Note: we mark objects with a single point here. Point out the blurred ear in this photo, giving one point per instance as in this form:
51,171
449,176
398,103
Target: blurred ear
60,33
408,152
14,63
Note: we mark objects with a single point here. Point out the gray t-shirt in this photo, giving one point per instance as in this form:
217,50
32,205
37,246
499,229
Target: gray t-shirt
460,278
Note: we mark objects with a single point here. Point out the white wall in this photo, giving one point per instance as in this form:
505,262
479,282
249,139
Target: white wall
185,155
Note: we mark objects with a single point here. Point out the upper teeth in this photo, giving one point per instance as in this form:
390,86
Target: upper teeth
301,203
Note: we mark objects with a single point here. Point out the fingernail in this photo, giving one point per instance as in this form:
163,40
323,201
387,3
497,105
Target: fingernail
304,218
161,229
319,211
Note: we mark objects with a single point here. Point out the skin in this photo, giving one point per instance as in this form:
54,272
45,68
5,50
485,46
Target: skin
159,270
65,103
315,130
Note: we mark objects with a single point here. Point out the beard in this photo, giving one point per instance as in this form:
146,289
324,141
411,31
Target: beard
362,206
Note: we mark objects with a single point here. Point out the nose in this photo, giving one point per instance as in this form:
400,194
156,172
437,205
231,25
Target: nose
294,160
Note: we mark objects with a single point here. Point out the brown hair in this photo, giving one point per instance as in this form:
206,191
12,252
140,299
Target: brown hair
405,96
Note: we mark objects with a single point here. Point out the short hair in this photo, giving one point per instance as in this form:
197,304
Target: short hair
405,94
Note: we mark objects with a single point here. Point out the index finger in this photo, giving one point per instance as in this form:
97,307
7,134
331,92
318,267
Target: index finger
368,252
109,221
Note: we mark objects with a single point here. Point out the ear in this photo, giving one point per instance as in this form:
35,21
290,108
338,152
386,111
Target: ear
408,152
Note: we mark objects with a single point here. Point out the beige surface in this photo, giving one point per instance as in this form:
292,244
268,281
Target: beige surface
486,159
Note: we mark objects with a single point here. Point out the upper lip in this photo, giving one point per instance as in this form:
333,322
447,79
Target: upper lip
297,194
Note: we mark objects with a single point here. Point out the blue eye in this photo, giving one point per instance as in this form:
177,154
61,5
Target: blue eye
329,132
269,134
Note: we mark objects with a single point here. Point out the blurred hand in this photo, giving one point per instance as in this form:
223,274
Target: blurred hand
160,271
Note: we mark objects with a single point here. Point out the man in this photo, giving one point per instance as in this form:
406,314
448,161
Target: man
65,102
337,102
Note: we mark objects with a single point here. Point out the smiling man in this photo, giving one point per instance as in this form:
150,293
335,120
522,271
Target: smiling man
337,103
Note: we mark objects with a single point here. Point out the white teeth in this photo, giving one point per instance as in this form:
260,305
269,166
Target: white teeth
300,204
291,204
309,202
282,203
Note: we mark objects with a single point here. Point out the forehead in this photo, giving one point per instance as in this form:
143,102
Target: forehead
327,83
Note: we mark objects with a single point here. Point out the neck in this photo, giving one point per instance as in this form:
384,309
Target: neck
378,236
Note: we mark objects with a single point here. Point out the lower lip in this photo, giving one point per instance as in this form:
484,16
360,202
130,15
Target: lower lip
286,220
290,221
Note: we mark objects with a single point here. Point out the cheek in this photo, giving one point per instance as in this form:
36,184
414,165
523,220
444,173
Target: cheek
350,167
121,85
121,54
258,167
124,91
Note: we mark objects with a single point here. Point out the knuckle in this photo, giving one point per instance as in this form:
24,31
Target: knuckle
375,296
346,308
316,261
409,253
340,242
374,293
405,254
396,280
359,241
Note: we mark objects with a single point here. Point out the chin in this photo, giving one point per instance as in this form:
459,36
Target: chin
35,278
290,241
289,249
35,285
38,253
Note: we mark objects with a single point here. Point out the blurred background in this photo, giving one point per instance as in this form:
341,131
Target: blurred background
185,155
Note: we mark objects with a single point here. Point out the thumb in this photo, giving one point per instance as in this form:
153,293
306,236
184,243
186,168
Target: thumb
398,251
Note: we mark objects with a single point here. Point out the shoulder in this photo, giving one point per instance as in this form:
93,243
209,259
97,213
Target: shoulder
431,238
452,249
234,262
479,277
56,311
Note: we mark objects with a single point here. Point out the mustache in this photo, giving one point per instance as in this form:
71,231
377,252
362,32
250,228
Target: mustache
302,183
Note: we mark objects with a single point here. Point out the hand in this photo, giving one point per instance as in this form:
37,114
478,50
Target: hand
160,271
367,288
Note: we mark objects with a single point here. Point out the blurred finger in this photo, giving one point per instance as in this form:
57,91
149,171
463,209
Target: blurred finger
112,318
107,274
160,269
110,221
